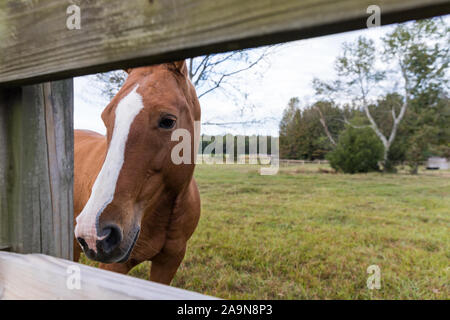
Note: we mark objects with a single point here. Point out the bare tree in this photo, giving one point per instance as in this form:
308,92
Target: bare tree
110,82
209,73
325,125
219,71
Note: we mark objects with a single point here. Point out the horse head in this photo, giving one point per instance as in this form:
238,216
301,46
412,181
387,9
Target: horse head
138,171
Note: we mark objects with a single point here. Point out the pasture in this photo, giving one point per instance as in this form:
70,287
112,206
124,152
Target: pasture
308,234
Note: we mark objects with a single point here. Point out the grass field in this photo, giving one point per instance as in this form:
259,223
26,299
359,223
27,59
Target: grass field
302,234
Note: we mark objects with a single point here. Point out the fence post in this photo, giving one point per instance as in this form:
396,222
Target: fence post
4,223
36,168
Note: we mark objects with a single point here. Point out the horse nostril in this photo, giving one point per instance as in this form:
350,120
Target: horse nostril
83,243
112,238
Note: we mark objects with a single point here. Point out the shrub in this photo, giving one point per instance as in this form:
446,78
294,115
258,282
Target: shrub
358,150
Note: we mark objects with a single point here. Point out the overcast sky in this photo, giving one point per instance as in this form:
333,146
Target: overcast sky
287,73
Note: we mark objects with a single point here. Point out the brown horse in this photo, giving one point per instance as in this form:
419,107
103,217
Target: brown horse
132,203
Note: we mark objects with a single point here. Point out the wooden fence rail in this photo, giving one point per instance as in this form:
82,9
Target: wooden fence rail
37,276
37,46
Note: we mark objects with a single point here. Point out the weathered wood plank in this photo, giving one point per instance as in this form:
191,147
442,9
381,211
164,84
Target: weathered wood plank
58,104
36,276
39,136
4,224
36,45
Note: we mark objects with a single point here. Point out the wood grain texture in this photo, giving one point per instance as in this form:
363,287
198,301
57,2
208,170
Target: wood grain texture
58,104
37,276
39,139
4,224
36,45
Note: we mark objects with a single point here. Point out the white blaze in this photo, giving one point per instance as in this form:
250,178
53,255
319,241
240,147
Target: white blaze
105,184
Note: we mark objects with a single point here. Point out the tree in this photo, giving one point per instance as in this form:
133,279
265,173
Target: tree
358,150
331,118
212,72
359,77
219,71
423,49
111,82
287,128
381,111
301,131
417,52
428,133
418,146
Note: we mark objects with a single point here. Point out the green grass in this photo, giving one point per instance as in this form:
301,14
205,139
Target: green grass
302,234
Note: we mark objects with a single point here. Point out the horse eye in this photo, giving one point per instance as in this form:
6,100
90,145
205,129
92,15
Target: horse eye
166,123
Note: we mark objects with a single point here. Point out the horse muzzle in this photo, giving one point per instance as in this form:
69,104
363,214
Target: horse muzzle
110,246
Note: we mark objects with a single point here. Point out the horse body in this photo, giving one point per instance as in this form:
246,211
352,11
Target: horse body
131,202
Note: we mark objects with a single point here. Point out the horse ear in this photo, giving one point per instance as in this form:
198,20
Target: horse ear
181,67
127,70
